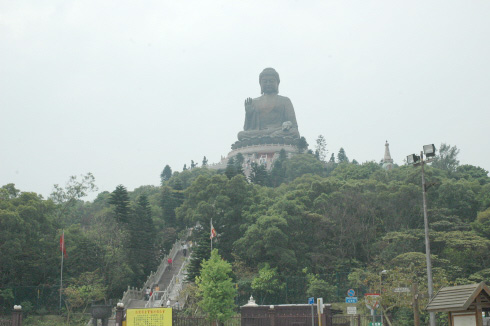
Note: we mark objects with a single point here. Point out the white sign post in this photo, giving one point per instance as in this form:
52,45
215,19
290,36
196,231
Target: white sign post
352,310
319,302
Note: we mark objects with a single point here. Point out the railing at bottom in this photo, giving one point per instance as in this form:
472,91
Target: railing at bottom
356,320
5,322
282,320
202,321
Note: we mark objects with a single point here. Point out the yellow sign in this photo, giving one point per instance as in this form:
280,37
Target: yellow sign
149,317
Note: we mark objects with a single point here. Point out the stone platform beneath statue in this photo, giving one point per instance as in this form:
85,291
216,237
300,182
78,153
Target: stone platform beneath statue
264,154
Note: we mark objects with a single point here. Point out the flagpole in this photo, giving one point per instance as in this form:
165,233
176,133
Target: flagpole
62,254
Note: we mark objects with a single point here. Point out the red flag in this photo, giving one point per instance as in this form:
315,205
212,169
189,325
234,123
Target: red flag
213,231
62,244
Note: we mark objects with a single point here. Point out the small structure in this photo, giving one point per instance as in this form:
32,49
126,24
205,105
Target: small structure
102,312
283,315
464,304
387,160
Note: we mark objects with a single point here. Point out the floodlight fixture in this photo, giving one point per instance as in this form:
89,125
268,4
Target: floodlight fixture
412,159
429,150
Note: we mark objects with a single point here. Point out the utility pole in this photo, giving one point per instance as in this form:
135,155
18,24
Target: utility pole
432,315
415,304
429,151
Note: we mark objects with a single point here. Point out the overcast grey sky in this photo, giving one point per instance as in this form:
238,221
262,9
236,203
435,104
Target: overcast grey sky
122,88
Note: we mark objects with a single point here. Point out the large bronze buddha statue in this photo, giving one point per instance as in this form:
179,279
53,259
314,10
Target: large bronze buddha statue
269,117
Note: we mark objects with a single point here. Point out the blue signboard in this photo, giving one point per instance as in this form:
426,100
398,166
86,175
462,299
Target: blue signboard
351,293
350,299
311,300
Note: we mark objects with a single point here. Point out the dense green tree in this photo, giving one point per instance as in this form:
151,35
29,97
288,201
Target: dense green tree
471,172
169,202
278,171
463,249
258,174
137,224
83,290
9,191
222,200
267,241
239,160
459,198
354,171
267,283
166,174
204,161
230,170
319,288
341,156
201,251
28,240
85,254
447,159
356,221
178,199
182,180
321,148
482,223
120,199
143,232
67,197
302,145
74,189
302,164
216,289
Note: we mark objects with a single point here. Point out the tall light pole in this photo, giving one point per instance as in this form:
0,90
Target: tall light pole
383,272
429,151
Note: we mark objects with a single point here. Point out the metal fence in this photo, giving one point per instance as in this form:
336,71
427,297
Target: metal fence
47,296
355,320
5,322
180,320
283,320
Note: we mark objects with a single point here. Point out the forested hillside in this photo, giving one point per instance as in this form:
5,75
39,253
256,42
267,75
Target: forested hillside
306,228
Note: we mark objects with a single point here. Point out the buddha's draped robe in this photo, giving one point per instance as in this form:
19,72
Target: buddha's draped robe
266,117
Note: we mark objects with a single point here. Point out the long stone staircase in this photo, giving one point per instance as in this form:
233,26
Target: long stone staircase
168,278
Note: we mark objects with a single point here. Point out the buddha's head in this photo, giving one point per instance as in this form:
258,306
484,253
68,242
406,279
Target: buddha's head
269,81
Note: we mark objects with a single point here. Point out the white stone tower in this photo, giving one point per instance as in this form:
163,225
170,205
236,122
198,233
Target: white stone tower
387,160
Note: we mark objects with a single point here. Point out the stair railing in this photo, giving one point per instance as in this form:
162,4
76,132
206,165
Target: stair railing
138,294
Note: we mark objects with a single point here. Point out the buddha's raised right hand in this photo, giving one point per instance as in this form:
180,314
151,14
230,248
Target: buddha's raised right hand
248,105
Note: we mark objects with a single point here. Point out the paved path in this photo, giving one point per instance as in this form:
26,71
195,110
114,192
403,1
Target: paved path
164,281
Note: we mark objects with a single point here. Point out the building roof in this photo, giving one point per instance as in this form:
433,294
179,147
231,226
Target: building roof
460,298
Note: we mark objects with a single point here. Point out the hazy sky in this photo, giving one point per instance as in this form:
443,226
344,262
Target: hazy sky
122,88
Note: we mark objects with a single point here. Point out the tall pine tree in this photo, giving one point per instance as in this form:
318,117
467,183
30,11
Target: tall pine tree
120,199
144,234
166,174
201,251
